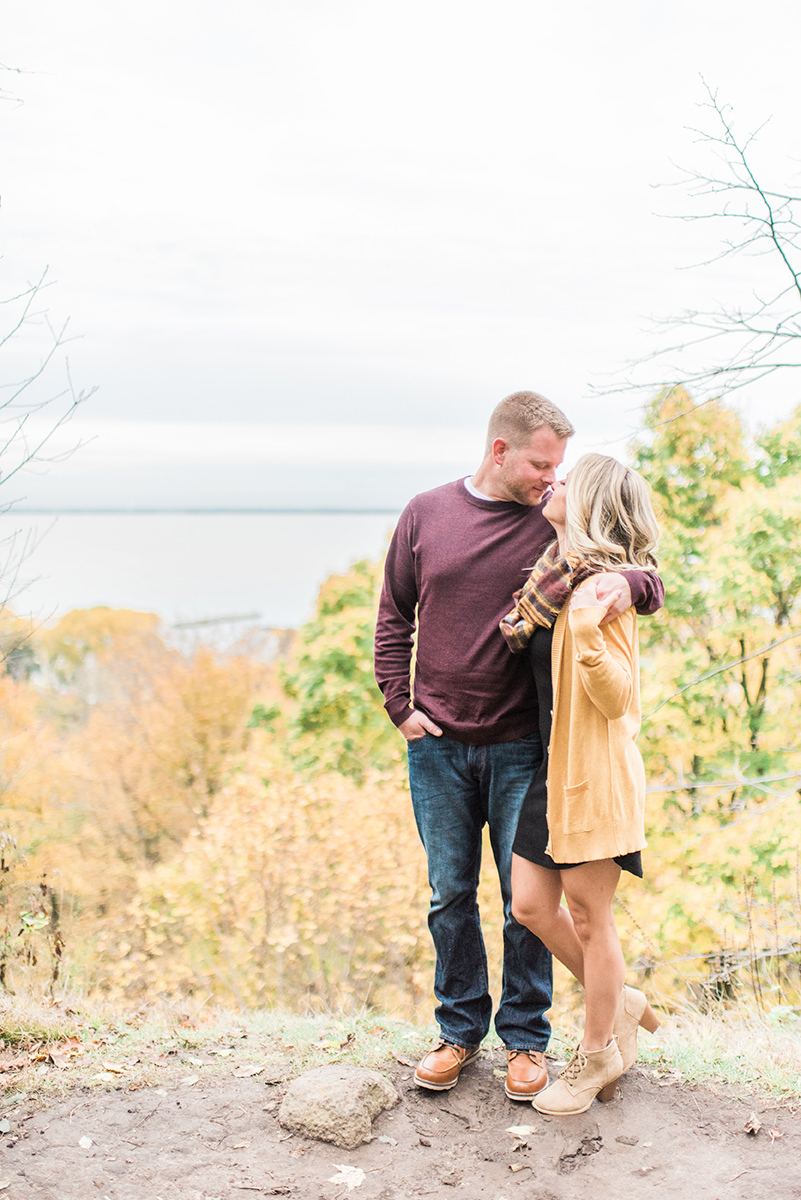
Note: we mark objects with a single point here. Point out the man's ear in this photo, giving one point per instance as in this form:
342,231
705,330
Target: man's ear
500,448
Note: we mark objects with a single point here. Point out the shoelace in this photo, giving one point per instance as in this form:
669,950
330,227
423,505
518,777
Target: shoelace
576,1065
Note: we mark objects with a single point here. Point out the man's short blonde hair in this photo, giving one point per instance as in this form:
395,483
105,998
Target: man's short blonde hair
521,414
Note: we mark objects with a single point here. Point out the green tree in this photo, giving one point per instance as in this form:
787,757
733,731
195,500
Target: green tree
728,637
339,722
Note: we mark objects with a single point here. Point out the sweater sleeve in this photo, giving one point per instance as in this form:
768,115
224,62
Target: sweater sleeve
647,591
604,657
394,634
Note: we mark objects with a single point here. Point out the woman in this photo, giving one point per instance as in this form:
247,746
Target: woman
583,819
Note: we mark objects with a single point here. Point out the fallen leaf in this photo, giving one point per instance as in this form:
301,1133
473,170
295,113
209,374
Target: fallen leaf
196,1062
59,1058
521,1131
4,1183
5,1126
389,1141
349,1040
189,1080
115,1068
104,1076
515,1167
352,1177
246,1070
405,1062
499,1074
15,1064
85,1143
240,1146
774,1133
753,1124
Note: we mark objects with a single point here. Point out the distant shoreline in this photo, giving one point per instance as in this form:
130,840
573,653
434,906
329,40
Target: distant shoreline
218,512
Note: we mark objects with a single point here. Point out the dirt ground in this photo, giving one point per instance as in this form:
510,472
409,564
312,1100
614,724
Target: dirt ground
219,1137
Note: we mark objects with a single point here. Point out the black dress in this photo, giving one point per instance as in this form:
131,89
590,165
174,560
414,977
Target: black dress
532,829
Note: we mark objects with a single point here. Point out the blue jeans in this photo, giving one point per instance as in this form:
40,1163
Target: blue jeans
456,790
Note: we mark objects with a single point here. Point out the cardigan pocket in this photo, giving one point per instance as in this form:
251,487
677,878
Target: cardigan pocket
577,817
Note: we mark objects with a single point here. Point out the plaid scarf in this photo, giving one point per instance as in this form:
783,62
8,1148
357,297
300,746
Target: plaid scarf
542,597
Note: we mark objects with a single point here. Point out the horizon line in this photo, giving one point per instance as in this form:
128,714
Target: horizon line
173,511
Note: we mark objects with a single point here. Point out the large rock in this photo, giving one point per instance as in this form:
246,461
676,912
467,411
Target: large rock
336,1104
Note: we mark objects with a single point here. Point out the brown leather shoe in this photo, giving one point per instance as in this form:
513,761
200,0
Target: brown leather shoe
439,1069
526,1074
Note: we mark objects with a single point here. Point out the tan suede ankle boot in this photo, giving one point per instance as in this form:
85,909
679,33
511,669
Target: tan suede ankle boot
589,1073
633,1012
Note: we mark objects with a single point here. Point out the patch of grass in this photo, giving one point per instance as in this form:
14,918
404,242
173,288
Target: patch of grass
24,1022
741,1047
48,1049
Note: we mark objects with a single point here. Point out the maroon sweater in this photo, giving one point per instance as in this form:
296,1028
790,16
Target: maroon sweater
453,564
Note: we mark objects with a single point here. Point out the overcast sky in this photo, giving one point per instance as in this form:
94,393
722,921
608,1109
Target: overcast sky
373,218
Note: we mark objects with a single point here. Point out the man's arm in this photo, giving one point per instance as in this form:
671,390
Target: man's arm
394,635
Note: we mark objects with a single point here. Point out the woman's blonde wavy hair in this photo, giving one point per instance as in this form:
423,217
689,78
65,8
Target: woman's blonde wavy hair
610,522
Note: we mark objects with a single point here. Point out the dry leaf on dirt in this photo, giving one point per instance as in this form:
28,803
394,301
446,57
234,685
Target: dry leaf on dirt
753,1124
774,1133
521,1131
404,1062
352,1177
15,1064
189,1080
4,1183
246,1070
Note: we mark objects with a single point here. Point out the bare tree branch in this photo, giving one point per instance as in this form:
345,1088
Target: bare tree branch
719,671
760,335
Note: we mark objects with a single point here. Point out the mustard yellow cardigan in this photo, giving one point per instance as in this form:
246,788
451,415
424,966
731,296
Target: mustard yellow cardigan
596,779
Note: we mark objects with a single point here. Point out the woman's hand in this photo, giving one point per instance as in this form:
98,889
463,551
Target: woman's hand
585,596
609,591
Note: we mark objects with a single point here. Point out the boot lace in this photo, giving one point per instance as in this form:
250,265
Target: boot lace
576,1065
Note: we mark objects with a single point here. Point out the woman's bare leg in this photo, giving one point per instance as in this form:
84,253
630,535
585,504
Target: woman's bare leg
590,892
536,896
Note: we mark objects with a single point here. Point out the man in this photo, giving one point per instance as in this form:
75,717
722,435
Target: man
457,555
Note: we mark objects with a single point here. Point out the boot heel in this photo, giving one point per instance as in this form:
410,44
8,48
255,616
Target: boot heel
608,1093
649,1020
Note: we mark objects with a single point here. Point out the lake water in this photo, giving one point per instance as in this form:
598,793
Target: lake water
188,566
